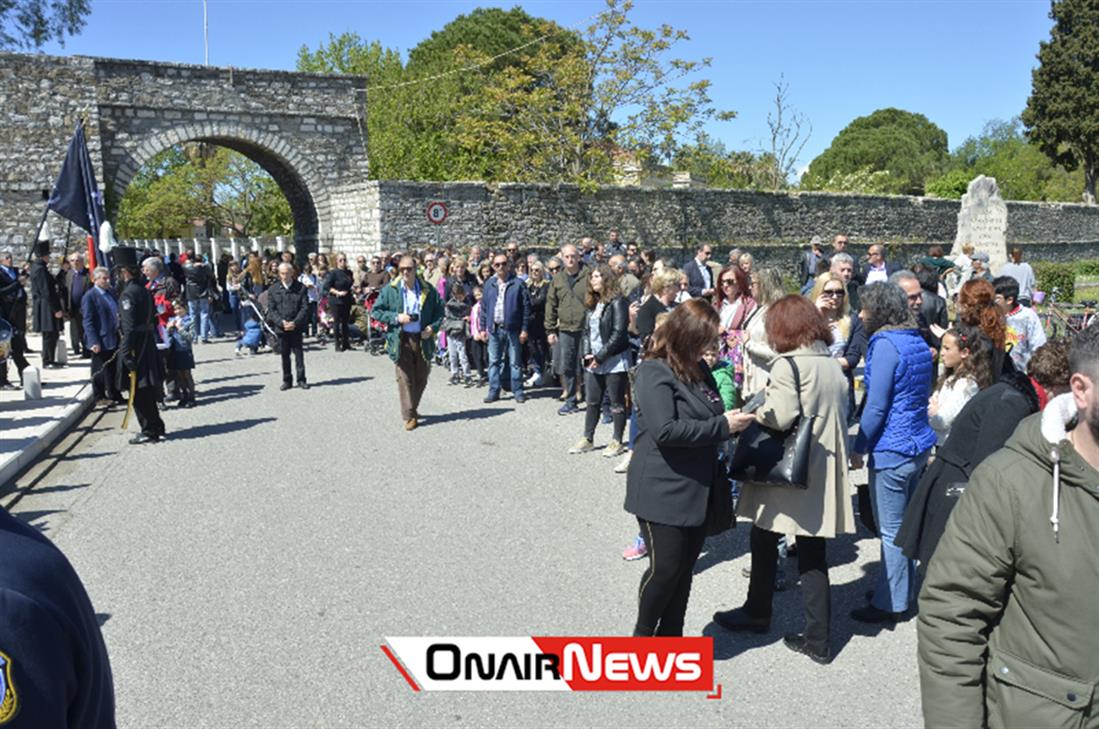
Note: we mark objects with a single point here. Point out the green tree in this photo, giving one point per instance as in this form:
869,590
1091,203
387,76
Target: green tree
193,182
1021,170
30,24
1062,114
709,161
906,147
502,95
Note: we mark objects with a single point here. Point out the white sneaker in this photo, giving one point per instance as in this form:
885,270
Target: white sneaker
624,465
534,380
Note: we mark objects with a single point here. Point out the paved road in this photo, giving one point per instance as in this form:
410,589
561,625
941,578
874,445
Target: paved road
247,569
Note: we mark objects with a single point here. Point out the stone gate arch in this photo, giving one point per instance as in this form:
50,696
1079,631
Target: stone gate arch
299,181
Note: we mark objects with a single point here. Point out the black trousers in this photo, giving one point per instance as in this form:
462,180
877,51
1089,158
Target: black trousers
666,584
76,334
49,347
478,356
813,569
147,413
341,317
614,385
569,366
104,381
291,342
18,354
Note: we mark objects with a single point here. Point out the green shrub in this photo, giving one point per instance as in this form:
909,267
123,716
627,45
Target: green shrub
1060,276
1089,267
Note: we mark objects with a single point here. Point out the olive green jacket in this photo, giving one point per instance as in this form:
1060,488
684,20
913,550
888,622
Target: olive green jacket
1009,612
565,308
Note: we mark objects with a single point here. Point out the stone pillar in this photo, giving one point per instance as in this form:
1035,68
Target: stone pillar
181,248
255,246
198,246
235,247
215,252
280,243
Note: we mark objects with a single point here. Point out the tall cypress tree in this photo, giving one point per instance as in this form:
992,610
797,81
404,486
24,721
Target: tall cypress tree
1062,114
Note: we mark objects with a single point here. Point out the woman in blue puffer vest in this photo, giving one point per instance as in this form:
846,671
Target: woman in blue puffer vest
895,432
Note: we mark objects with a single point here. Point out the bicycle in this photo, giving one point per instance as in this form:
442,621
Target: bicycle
1060,320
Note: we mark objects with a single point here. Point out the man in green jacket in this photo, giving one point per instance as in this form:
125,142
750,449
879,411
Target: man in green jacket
411,309
565,313
1009,614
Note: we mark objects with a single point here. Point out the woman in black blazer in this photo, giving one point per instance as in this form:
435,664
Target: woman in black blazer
682,423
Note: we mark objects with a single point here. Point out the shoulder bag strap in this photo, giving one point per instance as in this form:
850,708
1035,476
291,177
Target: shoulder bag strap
797,384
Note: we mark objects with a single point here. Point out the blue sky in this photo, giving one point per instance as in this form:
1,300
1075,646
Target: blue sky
959,62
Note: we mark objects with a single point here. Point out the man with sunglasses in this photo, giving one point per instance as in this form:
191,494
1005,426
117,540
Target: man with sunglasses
565,314
505,319
412,311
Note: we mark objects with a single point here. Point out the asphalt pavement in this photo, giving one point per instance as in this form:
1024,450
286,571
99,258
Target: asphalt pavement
247,570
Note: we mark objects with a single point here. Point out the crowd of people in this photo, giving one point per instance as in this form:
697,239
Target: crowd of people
935,376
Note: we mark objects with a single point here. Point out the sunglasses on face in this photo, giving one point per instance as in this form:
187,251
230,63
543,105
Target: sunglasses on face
498,264
406,269
835,293
554,268
729,282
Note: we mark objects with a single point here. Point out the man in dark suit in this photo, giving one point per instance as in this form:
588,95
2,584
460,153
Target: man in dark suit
877,269
13,309
99,317
46,305
700,279
137,317
74,283
287,313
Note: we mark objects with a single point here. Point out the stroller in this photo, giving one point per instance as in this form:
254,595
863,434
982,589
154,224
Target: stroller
255,309
374,335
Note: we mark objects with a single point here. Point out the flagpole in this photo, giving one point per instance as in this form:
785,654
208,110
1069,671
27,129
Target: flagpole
206,33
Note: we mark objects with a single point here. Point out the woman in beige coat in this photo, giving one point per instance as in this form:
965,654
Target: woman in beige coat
800,337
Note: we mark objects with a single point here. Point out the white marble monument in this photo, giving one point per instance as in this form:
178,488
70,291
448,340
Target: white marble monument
982,221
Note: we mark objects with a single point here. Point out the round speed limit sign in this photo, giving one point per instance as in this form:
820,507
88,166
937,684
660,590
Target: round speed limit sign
436,212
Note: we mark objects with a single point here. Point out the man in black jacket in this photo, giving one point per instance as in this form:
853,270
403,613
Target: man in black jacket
46,303
200,285
287,312
13,309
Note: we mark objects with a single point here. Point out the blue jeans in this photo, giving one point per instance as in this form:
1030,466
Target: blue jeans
200,313
890,491
234,309
497,342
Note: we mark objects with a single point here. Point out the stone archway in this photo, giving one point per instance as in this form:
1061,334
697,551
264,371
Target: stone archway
295,175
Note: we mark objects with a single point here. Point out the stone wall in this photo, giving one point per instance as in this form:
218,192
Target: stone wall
769,223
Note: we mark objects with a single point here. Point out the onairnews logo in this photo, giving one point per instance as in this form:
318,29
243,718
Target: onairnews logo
528,663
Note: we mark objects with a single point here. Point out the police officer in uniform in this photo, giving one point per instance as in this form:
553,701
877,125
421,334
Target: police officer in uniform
54,670
137,348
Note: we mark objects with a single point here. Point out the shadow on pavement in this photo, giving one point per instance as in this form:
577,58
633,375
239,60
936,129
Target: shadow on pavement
234,377
210,429
221,394
60,487
478,414
341,381
30,517
86,456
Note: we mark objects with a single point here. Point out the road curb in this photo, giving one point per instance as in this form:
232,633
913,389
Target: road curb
15,465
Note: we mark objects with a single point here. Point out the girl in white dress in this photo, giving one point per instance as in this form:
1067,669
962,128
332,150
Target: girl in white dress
966,355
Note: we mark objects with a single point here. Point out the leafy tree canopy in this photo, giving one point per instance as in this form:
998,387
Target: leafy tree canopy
1062,114
502,95
907,147
1021,170
193,182
30,24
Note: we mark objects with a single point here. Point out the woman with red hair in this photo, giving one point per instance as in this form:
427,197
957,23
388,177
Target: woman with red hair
805,378
977,308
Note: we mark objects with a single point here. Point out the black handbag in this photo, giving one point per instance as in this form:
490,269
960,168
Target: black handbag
772,457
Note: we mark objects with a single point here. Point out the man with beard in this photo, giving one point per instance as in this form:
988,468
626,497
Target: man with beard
46,303
137,347
1008,611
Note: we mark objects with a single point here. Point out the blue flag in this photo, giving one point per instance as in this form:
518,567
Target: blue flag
76,195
